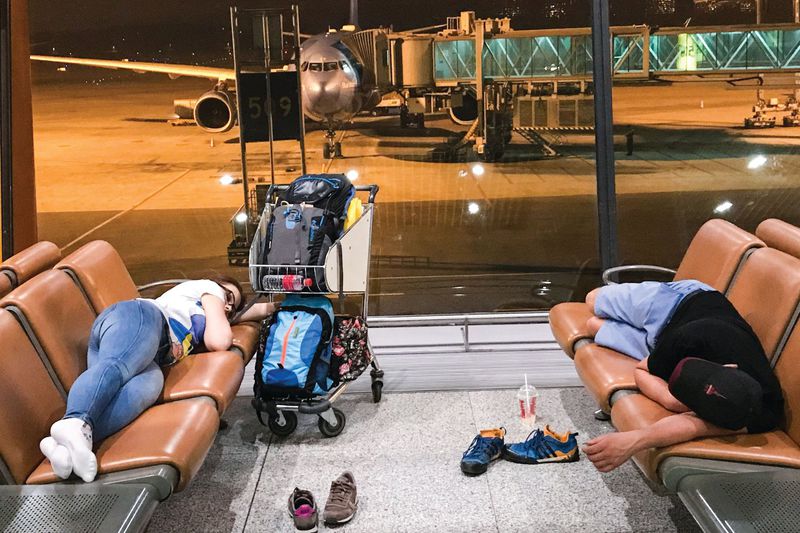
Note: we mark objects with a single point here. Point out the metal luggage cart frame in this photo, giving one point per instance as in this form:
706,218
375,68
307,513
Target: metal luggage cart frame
346,272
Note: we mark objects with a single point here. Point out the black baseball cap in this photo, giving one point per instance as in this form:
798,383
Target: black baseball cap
725,396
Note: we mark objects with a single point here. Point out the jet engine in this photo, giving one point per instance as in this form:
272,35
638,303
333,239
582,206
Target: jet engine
215,111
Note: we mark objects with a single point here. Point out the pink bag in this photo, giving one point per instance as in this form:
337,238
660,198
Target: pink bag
350,350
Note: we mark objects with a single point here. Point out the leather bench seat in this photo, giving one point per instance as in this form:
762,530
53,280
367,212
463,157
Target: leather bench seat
213,374
245,338
101,274
715,256
31,261
59,317
780,235
568,323
177,434
636,411
766,293
5,285
604,372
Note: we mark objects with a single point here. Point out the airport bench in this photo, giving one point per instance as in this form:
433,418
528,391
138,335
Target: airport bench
54,312
21,267
101,274
159,452
714,256
766,291
780,235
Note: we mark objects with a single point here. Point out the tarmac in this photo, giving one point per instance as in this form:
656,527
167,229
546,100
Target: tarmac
452,234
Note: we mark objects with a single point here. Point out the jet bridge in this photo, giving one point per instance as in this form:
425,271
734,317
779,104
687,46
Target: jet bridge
495,71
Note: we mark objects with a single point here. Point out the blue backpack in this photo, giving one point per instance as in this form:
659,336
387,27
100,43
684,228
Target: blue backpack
294,352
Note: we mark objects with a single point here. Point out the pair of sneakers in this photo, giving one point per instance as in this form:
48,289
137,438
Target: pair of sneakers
340,508
541,446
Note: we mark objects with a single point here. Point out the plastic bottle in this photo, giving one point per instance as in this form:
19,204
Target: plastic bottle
526,400
285,282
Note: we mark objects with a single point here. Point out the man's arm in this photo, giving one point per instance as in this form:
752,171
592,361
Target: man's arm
609,451
656,388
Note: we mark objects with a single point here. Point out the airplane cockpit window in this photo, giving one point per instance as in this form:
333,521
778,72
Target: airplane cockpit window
315,67
331,65
304,66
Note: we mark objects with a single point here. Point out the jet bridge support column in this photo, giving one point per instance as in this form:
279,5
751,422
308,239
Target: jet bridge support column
479,89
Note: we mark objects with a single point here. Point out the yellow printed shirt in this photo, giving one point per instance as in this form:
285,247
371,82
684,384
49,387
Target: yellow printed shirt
182,308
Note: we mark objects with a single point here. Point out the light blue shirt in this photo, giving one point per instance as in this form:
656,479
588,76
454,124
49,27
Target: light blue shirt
636,313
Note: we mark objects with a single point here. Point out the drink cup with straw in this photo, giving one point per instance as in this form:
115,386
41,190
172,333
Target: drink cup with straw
526,398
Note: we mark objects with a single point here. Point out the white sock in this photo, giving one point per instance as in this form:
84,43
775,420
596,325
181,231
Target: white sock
59,457
76,436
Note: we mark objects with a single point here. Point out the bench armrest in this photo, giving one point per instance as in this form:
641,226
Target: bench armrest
633,268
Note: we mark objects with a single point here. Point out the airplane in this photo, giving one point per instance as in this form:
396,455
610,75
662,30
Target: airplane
331,77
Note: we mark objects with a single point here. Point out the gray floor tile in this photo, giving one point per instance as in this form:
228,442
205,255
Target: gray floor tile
407,421
572,496
219,497
414,491
404,453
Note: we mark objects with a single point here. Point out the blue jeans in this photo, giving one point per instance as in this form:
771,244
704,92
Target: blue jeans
122,378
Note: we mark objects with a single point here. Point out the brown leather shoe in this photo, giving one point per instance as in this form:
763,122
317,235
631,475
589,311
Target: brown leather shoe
342,501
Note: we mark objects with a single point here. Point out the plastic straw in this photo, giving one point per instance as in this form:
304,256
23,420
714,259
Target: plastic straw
527,397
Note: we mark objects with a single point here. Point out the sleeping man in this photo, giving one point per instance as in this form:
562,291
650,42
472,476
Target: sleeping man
697,357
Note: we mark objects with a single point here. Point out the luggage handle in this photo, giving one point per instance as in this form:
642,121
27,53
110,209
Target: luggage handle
340,274
273,191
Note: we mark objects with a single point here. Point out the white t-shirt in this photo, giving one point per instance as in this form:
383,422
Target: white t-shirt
183,309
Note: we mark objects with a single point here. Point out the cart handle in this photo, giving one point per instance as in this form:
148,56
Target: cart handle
372,189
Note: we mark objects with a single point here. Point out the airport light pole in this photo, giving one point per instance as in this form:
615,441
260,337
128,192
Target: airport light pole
604,136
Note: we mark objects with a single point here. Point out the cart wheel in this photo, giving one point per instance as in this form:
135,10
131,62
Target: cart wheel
287,428
377,391
331,431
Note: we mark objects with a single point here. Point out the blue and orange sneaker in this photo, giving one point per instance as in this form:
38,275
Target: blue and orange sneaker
544,447
485,448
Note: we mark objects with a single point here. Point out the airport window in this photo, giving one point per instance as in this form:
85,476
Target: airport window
495,215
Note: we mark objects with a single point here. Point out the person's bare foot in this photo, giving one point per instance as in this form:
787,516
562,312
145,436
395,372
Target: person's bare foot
609,451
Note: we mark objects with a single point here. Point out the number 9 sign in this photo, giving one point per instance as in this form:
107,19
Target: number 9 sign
254,111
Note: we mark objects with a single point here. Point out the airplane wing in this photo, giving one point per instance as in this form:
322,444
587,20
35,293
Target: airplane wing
173,71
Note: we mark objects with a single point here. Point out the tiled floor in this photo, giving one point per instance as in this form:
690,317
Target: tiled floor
404,453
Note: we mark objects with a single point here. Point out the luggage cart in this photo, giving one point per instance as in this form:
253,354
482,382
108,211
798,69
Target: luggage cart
344,272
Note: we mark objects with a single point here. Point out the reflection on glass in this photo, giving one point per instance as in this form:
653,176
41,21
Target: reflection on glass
455,230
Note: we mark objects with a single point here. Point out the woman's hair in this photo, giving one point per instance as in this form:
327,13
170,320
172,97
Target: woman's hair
219,279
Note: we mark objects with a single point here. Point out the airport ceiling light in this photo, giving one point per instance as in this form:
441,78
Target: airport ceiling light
478,170
352,174
241,218
724,207
756,162
473,208
226,179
